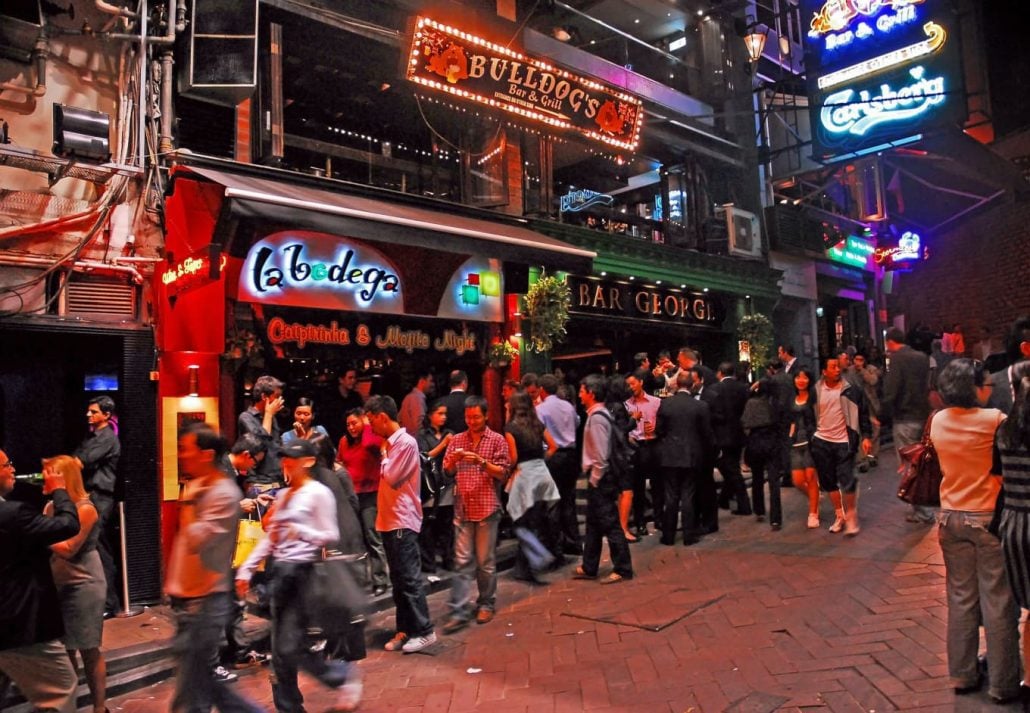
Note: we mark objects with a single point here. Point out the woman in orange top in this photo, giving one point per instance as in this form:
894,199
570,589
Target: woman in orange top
977,587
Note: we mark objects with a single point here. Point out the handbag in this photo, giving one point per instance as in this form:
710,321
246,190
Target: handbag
334,601
248,534
920,471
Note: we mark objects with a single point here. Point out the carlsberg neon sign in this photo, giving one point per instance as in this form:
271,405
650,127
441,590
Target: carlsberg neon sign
855,113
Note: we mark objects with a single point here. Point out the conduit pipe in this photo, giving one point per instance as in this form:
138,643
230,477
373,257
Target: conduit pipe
115,10
39,60
6,258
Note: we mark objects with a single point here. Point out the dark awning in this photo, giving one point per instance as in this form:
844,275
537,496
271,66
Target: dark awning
394,222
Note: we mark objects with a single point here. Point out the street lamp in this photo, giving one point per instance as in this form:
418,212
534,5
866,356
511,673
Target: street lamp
754,39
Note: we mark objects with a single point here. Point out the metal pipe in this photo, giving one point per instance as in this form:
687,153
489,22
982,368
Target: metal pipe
39,59
7,258
164,138
166,39
115,10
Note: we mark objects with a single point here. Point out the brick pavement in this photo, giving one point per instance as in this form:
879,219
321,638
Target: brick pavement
747,621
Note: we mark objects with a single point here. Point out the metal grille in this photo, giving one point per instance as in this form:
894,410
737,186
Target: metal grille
96,298
138,433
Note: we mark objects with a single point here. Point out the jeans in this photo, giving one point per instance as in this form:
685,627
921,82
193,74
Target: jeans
409,595
603,521
475,551
906,433
290,649
437,537
978,591
199,627
373,542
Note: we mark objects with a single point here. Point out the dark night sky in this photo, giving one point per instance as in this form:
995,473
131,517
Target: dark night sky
1008,57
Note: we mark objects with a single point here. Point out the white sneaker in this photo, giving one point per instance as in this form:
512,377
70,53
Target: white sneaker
349,694
417,643
837,525
813,522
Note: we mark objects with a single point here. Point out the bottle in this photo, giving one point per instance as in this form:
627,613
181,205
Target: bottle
33,478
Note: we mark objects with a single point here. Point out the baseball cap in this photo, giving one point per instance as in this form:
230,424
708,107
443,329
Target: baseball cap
298,448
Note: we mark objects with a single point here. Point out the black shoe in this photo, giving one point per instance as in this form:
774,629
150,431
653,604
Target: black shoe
776,526
667,541
688,541
741,512
223,675
641,531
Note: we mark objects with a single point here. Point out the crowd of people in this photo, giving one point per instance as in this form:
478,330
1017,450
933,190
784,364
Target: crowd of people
408,489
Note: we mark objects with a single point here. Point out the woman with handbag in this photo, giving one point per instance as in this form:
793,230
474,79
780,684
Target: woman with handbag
302,523
1013,448
977,590
437,536
530,487
802,426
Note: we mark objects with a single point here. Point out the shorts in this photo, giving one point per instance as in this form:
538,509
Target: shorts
834,464
801,458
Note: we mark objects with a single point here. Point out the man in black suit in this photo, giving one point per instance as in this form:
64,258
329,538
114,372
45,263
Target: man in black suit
787,357
31,653
727,407
455,402
684,430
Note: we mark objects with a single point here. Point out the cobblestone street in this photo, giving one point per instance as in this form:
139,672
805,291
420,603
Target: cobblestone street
749,620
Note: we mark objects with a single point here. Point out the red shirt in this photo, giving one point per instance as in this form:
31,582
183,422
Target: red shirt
475,491
362,460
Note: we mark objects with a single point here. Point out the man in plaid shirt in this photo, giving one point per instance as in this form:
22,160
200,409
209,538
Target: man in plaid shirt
480,460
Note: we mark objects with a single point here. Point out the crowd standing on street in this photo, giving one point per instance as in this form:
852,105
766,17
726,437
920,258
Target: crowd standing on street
409,490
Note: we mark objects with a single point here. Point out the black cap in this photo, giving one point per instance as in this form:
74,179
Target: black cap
298,448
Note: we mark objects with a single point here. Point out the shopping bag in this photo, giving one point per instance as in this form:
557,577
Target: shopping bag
334,601
248,534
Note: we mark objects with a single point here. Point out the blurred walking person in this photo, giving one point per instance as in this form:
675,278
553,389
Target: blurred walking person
198,579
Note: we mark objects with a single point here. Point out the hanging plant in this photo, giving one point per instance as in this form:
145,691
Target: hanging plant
500,354
547,311
757,331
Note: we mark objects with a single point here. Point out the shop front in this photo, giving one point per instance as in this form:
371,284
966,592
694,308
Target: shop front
268,275
613,319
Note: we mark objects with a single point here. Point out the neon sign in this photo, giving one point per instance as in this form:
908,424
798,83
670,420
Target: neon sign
844,113
837,15
884,23
854,251
199,269
391,337
302,269
936,38
448,59
909,249
575,201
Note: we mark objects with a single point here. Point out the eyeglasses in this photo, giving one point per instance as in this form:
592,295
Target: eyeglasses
8,464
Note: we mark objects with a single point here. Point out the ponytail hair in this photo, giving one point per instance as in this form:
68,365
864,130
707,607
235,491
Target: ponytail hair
1015,431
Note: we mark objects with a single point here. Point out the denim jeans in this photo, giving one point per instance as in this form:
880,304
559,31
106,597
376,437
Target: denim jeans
199,627
475,551
409,595
978,592
290,649
373,541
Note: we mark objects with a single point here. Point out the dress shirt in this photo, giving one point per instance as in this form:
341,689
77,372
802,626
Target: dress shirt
303,523
560,419
399,501
475,490
99,453
648,408
413,411
596,435
202,552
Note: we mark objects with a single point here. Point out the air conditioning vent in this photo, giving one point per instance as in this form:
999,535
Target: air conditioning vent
98,298
744,231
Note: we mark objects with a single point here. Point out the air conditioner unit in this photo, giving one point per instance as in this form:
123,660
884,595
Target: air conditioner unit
745,232
104,299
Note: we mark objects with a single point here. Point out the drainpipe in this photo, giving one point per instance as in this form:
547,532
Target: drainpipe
167,39
164,134
39,59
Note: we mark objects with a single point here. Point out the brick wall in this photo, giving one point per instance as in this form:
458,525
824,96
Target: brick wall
978,275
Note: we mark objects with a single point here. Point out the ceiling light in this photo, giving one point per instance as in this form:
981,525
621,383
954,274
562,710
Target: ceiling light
603,273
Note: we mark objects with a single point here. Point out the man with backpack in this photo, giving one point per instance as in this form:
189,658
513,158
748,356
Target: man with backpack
601,461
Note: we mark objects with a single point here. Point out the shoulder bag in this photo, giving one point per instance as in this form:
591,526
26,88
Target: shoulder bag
920,471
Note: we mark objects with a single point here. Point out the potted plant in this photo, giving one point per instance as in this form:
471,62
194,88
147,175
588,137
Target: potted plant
546,313
500,354
757,331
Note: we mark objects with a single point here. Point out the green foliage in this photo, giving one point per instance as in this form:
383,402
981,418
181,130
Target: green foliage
757,330
501,353
547,311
